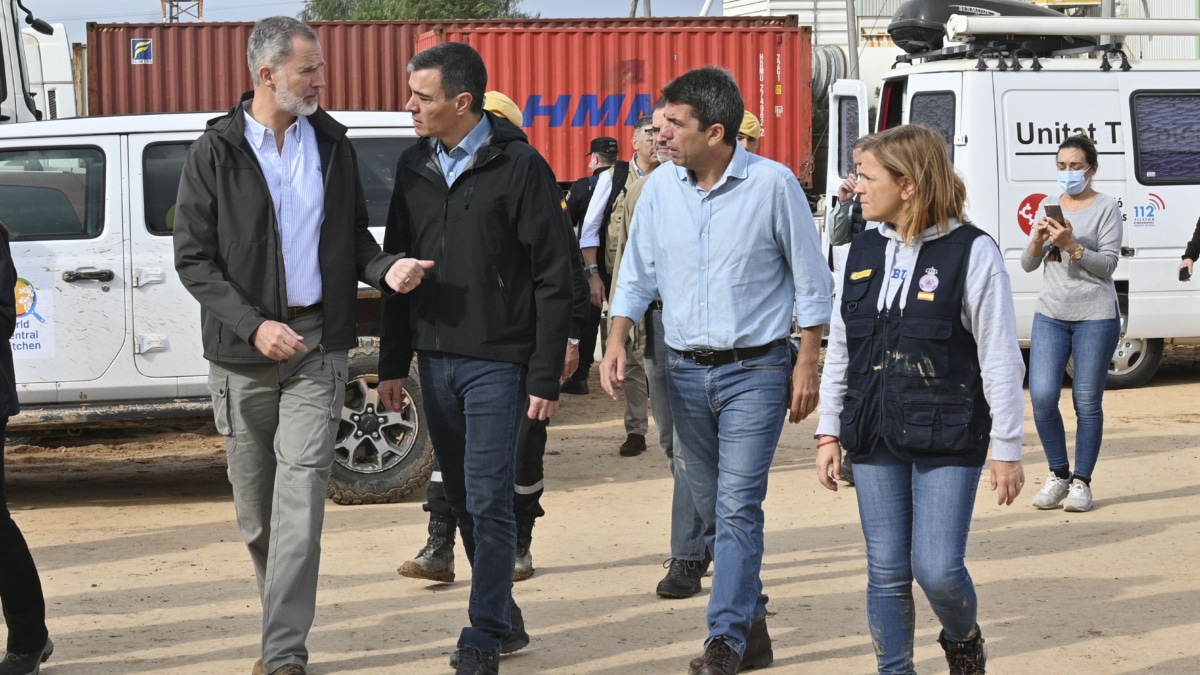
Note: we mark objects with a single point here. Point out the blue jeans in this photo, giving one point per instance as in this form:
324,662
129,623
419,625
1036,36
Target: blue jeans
687,527
729,418
474,410
1052,343
915,520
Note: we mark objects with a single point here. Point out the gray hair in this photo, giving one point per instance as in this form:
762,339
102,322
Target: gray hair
271,42
643,122
713,96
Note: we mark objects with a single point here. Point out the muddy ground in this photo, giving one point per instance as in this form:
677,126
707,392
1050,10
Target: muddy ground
145,572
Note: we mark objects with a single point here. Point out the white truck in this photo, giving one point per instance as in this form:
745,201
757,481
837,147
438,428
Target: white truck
1006,97
106,334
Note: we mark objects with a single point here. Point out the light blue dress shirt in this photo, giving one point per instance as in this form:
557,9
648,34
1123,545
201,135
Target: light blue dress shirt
458,160
298,190
730,263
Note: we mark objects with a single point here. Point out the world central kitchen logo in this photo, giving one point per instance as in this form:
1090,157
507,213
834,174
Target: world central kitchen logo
141,51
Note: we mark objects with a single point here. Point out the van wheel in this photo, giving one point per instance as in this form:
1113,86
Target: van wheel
379,456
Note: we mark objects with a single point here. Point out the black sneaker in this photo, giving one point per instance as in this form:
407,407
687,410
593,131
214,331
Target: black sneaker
516,640
475,662
26,664
634,445
682,580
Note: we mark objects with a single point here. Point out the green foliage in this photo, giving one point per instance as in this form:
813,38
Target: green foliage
401,10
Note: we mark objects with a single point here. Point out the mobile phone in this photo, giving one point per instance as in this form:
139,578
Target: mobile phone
1184,274
1054,211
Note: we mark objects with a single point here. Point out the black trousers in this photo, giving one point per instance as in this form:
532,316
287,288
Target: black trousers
527,498
591,330
20,587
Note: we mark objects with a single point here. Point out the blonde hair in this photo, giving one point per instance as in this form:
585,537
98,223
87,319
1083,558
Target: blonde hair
919,155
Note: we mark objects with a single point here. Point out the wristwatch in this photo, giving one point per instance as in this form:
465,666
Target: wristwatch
573,342
591,270
1077,254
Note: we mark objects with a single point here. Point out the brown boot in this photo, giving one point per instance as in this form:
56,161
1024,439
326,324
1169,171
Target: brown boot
435,562
718,659
965,658
758,650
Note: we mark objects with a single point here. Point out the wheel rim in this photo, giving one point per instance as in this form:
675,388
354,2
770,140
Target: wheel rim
371,439
1127,356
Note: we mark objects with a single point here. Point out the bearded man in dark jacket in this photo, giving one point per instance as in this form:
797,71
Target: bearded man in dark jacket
488,319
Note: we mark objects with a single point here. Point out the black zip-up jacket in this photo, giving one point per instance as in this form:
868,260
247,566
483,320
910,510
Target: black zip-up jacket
501,287
227,248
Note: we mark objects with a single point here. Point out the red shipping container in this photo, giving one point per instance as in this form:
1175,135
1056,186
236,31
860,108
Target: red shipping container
198,66
575,84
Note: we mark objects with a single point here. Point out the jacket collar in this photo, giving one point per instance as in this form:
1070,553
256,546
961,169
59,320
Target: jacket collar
232,125
503,133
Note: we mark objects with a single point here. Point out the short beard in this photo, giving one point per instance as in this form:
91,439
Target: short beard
293,104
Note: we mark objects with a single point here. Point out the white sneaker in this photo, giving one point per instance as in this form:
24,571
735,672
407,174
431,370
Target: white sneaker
1079,498
1053,491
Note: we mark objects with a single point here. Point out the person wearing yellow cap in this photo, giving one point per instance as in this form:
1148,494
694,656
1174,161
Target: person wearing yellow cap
749,132
495,102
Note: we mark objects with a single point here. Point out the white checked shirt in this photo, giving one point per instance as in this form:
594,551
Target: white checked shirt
298,191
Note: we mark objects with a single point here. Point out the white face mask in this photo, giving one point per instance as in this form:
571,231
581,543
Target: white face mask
1073,182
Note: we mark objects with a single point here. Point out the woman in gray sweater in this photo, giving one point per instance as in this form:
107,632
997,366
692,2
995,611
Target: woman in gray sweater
1076,315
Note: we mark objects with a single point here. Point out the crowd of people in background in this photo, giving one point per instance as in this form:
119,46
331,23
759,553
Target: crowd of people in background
717,292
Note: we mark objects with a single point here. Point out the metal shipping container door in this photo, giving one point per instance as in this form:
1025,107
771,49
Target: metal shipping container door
574,85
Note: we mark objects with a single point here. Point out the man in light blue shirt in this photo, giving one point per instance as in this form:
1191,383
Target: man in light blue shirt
727,239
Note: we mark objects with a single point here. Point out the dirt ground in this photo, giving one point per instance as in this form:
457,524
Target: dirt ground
144,570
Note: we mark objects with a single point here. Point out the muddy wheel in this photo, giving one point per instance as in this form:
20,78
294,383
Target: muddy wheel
379,456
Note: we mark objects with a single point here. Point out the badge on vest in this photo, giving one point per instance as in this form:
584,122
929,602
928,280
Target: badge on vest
861,274
928,284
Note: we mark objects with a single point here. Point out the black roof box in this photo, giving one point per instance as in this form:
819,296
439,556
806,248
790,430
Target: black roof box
920,25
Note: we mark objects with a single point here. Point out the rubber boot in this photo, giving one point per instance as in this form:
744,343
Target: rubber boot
435,562
524,567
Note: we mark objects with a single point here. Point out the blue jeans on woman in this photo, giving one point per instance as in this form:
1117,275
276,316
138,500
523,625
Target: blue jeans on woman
915,519
474,410
729,417
1052,343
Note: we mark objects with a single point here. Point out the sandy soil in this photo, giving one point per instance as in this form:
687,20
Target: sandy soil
145,572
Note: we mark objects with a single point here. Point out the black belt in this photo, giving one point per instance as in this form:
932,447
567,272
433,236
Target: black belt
656,305
708,357
294,313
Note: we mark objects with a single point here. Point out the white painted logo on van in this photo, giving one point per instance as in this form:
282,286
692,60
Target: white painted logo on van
1027,211
1143,216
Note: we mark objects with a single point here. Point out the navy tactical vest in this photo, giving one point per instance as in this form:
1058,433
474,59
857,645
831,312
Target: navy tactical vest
914,385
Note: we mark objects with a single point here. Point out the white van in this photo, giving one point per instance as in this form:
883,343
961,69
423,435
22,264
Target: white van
1003,126
107,335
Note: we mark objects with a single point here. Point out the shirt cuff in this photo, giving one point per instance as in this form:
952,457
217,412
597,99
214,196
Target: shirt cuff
829,425
1006,451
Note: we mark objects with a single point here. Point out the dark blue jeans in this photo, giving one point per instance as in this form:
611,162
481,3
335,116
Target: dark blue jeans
729,418
20,587
1051,344
474,410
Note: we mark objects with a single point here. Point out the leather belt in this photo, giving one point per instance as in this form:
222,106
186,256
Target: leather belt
656,305
708,357
294,313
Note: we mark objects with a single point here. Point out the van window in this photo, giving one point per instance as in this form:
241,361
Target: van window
52,193
891,104
1166,137
163,165
935,110
848,127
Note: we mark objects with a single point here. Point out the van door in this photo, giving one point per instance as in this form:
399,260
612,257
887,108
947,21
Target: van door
166,318
1162,169
62,201
847,123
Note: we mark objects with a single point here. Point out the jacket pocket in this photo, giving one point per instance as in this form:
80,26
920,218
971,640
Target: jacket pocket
923,348
218,387
850,437
935,427
860,344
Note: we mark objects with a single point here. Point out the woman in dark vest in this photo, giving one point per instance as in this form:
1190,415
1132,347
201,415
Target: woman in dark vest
922,373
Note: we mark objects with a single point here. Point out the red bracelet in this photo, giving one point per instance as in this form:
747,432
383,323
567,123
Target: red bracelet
821,445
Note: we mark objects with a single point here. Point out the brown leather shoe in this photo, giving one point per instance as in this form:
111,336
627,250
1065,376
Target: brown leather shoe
634,445
718,659
758,650
258,668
